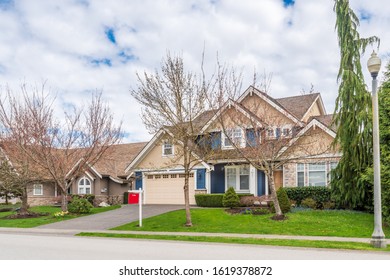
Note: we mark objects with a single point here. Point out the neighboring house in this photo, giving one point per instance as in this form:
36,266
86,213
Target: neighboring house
300,120
106,179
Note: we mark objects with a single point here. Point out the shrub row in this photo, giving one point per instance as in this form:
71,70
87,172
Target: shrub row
320,195
89,197
212,200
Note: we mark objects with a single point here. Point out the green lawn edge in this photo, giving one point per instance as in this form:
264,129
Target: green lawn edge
247,241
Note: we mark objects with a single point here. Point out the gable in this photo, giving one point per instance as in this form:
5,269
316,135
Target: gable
264,106
314,140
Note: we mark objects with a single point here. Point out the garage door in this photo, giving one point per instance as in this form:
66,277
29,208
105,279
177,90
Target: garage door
167,189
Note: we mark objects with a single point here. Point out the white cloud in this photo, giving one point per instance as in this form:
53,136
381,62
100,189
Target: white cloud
65,43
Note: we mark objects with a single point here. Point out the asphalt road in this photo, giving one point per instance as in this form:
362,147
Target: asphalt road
42,247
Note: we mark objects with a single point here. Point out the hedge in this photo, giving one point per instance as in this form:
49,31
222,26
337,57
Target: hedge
212,200
319,194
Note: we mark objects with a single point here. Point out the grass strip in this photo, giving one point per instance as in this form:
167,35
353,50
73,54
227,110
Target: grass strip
252,241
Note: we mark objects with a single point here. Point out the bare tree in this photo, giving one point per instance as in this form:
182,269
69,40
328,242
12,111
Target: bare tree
60,148
16,176
174,100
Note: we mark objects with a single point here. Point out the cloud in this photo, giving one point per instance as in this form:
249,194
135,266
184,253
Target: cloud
79,46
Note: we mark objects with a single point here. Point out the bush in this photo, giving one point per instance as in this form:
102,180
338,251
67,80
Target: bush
209,200
230,198
320,194
284,202
213,200
309,203
89,197
79,206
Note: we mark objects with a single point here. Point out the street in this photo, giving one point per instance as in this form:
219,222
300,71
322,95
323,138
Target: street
47,247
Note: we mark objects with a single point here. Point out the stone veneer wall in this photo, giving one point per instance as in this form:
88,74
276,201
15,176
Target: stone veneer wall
43,200
289,174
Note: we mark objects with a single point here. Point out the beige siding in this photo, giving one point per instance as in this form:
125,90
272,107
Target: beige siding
160,190
48,190
115,188
155,159
265,111
314,111
314,142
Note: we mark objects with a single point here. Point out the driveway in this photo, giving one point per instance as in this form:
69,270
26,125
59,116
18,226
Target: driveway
113,218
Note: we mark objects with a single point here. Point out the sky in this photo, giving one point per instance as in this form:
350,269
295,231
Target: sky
77,47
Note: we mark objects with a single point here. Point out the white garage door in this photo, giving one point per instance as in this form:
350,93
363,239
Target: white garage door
167,189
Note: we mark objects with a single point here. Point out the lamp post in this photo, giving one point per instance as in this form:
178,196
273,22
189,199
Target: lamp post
378,237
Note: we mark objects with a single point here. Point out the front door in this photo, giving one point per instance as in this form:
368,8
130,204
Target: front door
260,183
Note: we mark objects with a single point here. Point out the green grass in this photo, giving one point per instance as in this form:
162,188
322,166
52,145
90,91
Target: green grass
309,223
252,241
33,222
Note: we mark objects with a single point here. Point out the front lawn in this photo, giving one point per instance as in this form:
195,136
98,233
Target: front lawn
42,220
310,223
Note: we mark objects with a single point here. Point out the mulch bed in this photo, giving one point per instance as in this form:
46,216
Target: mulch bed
26,215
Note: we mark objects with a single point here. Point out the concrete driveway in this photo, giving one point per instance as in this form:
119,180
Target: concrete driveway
113,218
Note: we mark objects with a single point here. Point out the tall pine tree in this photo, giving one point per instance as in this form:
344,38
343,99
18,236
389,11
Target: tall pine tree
352,113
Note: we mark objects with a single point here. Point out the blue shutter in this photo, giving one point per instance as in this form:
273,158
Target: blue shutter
201,179
215,140
277,132
138,180
251,139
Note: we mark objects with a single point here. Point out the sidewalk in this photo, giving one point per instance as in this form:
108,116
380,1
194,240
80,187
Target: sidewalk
46,231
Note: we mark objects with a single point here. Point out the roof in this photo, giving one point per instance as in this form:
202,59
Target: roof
298,105
113,162
117,157
326,120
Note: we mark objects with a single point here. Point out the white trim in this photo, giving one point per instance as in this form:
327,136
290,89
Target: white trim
208,181
40,187
84,186
262,95
89,165
163,149
321,105
228,105
237,168
266,184
284,177
141,155
252,179
116,180
313,123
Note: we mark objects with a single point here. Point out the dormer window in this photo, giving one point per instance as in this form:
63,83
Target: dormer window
286,132
167,148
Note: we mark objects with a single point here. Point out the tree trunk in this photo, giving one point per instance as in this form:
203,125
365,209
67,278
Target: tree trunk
24,207
64,201
274,196
187,199
186,188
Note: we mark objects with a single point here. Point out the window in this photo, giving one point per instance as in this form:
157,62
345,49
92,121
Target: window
232,136
286,132
150,176
300,174
237,177
277,132
167,148
165,176
38,189
173,175
84,186
270,132
157,176
317,174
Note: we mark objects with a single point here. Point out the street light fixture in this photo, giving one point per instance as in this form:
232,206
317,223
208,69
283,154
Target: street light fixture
378,237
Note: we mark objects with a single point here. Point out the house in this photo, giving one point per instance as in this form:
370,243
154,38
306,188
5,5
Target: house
296,131
106,179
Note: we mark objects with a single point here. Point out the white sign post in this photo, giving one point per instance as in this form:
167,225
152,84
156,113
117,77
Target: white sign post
140,192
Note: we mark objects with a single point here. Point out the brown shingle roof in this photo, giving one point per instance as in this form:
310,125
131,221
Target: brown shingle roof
117,158
298,105
327,120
